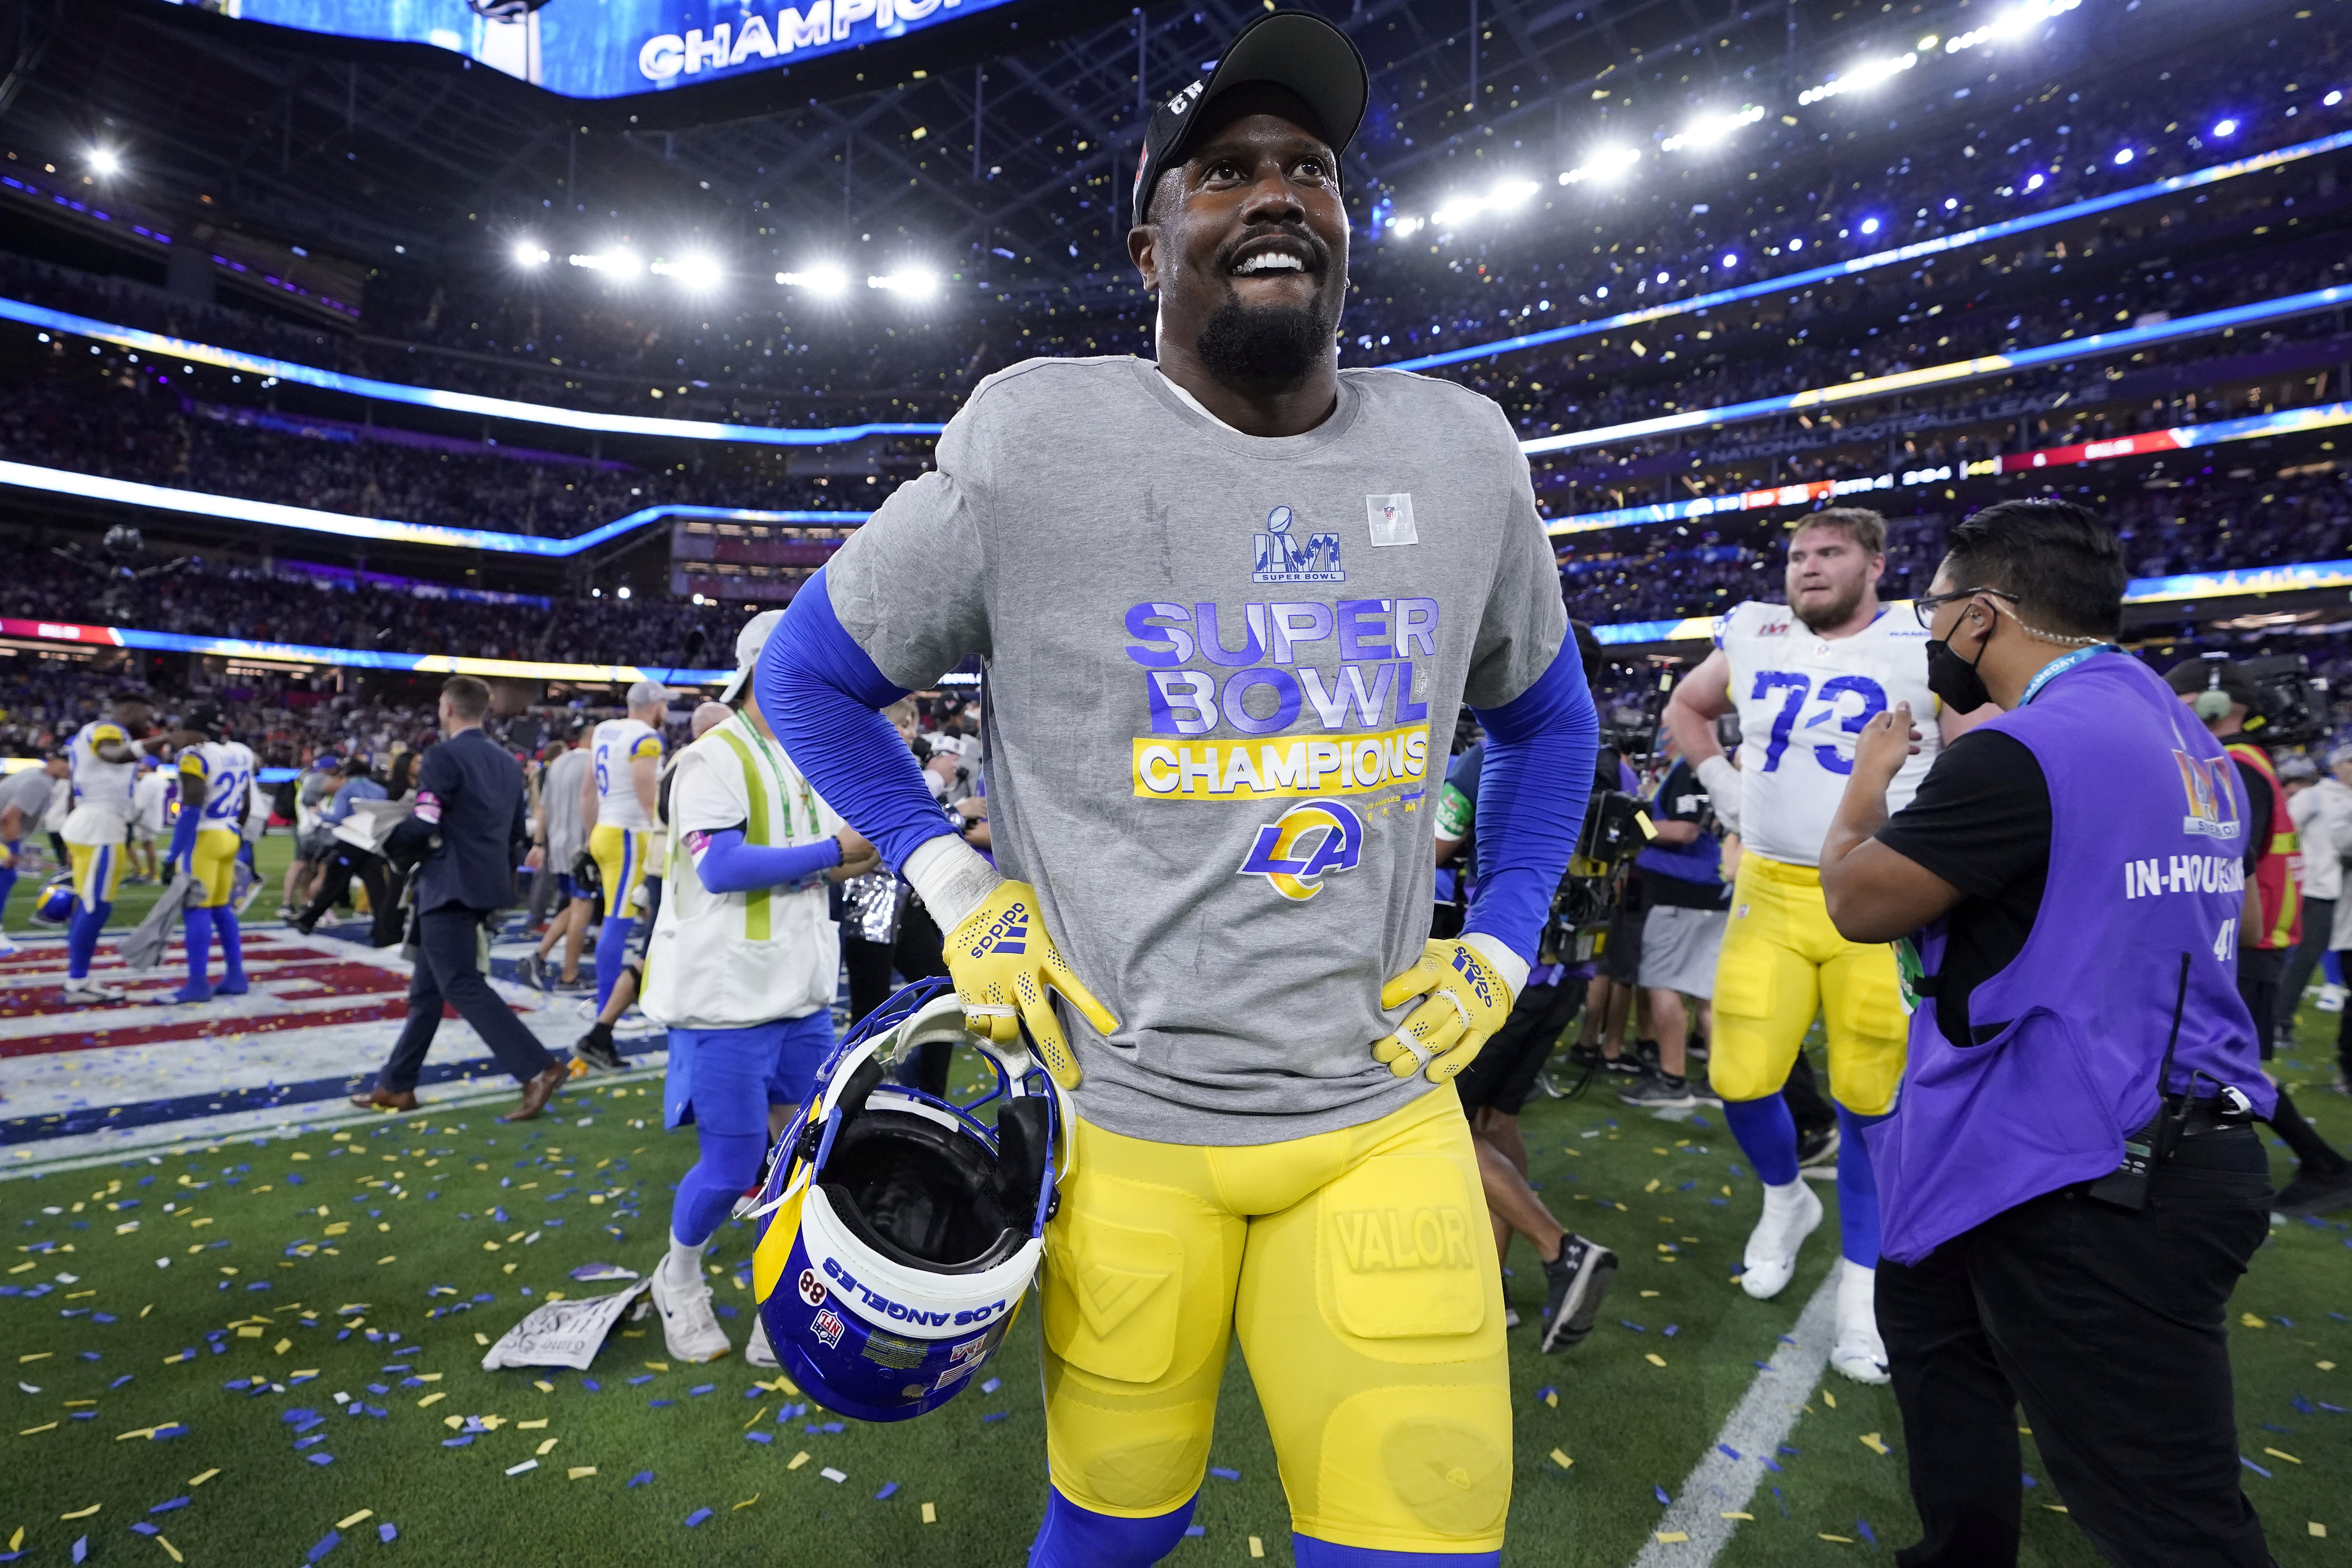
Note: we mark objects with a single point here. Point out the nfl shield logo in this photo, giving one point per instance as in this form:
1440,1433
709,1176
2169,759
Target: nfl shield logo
1391,519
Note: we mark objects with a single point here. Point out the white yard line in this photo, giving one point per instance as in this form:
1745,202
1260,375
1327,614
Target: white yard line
1721,1484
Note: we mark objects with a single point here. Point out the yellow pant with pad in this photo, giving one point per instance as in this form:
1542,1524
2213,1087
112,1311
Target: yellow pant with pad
97,871
214,867
1782,963
620,854
1356,1268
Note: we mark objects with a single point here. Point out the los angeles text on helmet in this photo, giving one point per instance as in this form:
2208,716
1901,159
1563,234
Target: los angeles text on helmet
819,24
882,1306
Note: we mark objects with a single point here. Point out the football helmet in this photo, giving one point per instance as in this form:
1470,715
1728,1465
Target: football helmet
54,905
900,1229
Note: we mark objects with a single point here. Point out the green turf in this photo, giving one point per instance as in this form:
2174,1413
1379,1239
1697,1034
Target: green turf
1630,1426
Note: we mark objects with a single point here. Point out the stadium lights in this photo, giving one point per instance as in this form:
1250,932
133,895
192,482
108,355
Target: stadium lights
1505,195
828,283
2123,156
2010,24
529,253
1708,130
695,270
2224,129
105,161
912,281
1861,78
1406,227
1605,164
620,263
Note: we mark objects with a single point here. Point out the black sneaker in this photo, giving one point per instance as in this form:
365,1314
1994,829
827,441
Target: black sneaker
1695,1048
1659,1091
1574,1284
2312,1193
1646,1052
1817,1148
533,968
596,1049
1621,1066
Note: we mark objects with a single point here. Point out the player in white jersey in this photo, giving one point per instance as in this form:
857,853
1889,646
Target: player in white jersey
618,798
216,789
1805,677
103,763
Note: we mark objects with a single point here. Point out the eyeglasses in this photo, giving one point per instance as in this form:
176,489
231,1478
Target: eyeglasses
1925,607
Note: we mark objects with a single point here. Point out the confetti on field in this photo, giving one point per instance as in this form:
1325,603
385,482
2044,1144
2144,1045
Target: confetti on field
931,1516
836,1477
1258,1547
1654,1358
1671,1537
1224,1474
798,1461
1735,1513
1870,1441
579,1472
641,1478
890,1489
365,1513
1561,1459
697,1516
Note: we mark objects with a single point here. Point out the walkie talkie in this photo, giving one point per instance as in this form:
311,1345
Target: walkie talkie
2147,1147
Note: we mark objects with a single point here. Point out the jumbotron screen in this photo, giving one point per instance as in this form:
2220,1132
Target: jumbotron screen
611,48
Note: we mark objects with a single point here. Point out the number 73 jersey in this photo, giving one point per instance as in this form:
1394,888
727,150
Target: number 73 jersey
1802,700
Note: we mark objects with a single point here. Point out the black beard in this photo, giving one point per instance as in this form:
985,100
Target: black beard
1271,348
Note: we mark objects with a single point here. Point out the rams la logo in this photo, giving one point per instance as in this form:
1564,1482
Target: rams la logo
1286,557
2212,800
1296,850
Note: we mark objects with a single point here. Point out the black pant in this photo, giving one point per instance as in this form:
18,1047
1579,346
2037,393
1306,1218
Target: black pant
1502,1074
2259,969
448,945
868,963
919,955
347,862
2108,1326
2318,921
1807,1109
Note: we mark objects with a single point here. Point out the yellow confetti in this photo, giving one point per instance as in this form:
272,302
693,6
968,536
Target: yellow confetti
281,1347
1734,1513
543,1449
1653,1186
36,1355
347,1523
1258,1547
480,1337
142,1432
2281,1454
1841,1539
931,1516
83,1513
2324,1365
798,1461
200,1480
1671,1537
1870,1441
2318,1531
747,1501
172,1549
2249,1320
433,1398
2055,1507
657,1366
1654,1358
453,1422
580,1472
1561,1459
30,1430
530,1425
387,1258
1552,1399
490,1246
1829,1399
16,1539
543,1385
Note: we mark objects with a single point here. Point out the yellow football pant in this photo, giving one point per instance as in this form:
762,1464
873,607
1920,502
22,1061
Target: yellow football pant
1356,1268
620,854
214,867
1782,961
97,871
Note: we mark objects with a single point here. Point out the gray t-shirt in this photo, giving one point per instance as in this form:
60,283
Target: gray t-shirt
559,788
1219,668
29,790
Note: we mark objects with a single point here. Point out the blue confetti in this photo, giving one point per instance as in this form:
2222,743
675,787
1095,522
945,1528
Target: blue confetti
889,1489
697,1516
700,1389
1671,1330
1727,1450
640,1478
386,1533
1770,1463
591,1385
1224,1474
1664,1500
319,1458
2029,1481
1863,1526
760,1436
334,1538
991,1386
641,1378
458,1442
999,1416
2254,1467
659,1403
1196,1529
168,1507
1637,1328
80,1548
143,1528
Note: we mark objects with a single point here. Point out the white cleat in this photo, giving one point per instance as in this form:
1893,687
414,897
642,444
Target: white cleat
8,948
759,1351
2331,998
1790,1214
84,992
688,1325
1858,1352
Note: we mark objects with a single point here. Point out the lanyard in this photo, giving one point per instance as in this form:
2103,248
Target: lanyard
2052,671
770,753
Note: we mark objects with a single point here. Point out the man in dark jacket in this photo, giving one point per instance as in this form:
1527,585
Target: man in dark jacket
470,823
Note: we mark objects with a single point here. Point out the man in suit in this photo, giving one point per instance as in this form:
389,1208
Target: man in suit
470,823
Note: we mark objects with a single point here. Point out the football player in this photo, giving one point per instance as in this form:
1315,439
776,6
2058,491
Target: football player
618,798
1231,602
1805,677
216,784
102,761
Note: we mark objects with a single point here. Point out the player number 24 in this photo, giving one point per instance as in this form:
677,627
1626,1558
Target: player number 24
1795,688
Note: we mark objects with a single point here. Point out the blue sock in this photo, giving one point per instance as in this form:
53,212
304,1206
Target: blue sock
1309,1552
1857,1190
1075,1537
197,923
1767,1133
232,941
8,879
728,1163
81,937
612,947
2331,967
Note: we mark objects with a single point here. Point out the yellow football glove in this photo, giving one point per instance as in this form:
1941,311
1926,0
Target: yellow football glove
1002,963
1468,1001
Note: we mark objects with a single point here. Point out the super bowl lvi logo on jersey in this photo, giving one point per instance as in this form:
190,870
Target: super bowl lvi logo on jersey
1284,556
1298,849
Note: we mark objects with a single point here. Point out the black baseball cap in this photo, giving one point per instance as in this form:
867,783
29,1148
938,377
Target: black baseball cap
1294,49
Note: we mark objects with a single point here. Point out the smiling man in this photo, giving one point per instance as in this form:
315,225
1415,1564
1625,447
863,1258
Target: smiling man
1226,601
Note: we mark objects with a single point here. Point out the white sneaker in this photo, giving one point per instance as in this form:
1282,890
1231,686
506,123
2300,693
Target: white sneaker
1858,1352
759,1351
2331,998
689,1324
8,948
82,993
1790,1213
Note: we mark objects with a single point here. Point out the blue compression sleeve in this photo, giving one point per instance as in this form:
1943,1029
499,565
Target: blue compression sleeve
821,692
184,831
1075,1537
1531,810
728,864
1767,1134
1857,1190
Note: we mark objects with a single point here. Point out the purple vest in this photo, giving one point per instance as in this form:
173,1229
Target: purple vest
2147,864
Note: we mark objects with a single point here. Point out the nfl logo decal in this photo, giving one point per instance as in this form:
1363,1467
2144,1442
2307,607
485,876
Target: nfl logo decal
1391,519
827,1328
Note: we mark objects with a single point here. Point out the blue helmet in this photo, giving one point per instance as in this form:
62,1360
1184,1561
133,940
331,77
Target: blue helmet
54,905
900,1229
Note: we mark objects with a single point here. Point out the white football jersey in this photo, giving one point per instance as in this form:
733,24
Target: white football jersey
618,742
102,791
219,774
1802,700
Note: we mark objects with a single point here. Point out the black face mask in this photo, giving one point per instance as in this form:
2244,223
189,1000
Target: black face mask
1954,678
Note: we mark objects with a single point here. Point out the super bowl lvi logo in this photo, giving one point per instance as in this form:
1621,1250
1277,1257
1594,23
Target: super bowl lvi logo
1286,556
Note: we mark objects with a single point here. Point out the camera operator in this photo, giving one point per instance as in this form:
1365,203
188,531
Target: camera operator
2070,1181
2220,693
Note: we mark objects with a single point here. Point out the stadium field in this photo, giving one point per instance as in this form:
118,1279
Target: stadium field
266,1352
